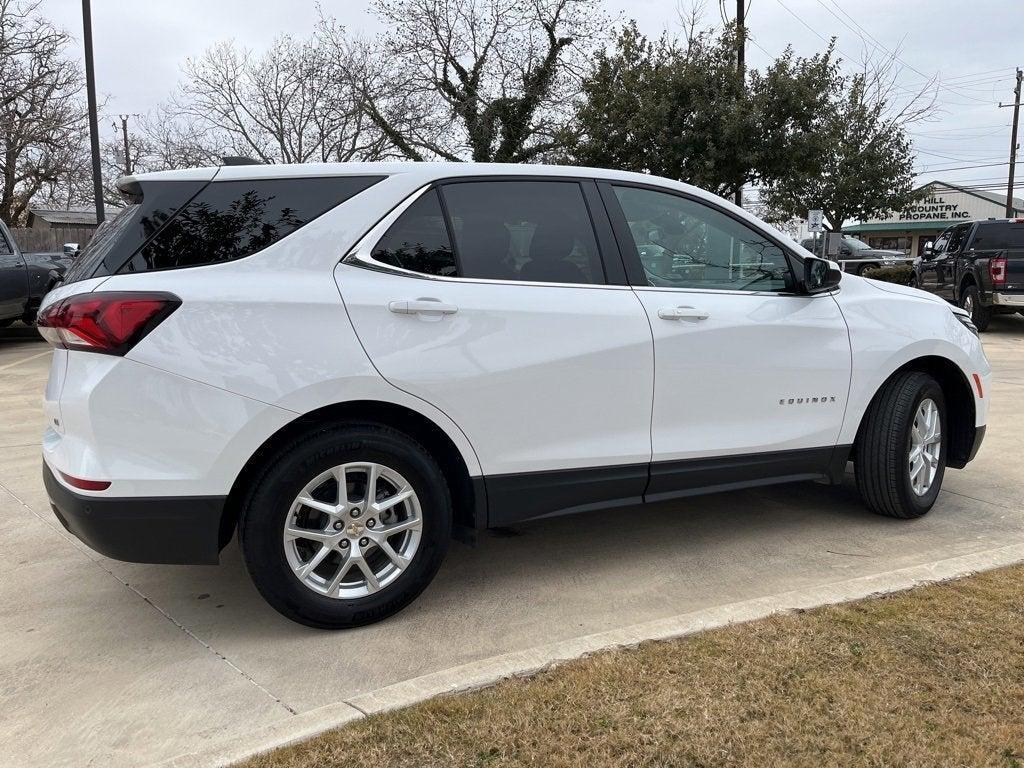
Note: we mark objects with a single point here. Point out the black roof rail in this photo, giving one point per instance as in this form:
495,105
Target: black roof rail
235,160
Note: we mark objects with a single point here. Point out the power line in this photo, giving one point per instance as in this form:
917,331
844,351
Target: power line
812,29
951,157
961,128
926,169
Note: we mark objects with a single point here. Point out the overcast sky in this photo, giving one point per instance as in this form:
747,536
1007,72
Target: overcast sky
972,47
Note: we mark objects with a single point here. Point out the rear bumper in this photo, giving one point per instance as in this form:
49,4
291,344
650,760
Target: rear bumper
1015,300
175,530
979,436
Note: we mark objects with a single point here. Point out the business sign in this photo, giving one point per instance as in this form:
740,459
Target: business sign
946,205
934,208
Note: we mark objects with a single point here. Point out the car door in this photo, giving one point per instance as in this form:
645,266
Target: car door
946,265
498,302
751,378
931,261
13,280
939,272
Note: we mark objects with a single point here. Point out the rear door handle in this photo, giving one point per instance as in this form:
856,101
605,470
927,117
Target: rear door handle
682,313
422,306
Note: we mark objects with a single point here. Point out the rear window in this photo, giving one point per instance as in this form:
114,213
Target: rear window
188,224
999,236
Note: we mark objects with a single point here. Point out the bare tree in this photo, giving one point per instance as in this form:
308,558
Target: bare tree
283,106
490,80
42,117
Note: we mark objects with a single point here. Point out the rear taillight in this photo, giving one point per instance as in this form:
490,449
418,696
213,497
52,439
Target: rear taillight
111,323
997,270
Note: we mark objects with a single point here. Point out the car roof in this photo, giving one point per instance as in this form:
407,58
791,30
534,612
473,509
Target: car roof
428,171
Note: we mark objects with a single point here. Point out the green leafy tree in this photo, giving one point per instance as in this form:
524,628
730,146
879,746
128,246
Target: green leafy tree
865,161
681,109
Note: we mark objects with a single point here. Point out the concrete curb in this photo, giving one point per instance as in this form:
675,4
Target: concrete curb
486,672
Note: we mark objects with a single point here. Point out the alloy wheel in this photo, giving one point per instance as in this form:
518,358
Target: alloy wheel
925,446
353,530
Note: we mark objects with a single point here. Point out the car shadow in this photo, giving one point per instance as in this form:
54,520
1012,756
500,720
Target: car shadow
724,540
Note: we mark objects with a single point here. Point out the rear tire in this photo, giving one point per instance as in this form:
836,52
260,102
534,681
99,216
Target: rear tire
275,560
885,447
970,300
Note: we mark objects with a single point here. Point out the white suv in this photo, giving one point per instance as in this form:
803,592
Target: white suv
351,363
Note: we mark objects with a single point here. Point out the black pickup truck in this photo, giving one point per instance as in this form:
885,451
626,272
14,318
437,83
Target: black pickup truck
979,265
26,278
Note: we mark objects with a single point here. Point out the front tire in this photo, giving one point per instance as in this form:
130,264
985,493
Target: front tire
970,300
901,450
347,525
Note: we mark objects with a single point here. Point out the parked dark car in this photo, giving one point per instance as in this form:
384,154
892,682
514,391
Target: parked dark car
856,256
25,278
979,265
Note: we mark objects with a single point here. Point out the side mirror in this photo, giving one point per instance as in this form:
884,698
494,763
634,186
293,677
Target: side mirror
928,251
820,275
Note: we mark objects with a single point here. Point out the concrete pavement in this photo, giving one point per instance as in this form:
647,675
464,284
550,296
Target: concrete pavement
114,664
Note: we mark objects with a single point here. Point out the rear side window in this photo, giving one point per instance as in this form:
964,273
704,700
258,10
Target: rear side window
418,240
999,236
230,220
151,206
537,231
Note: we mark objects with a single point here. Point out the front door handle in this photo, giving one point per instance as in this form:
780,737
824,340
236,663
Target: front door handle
682,313
422,307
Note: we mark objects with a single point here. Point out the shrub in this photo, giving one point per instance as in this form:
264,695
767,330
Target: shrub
899,274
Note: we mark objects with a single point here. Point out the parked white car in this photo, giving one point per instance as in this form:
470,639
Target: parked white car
349,363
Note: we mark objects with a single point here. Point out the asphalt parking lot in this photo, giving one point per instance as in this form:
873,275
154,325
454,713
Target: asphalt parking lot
113,664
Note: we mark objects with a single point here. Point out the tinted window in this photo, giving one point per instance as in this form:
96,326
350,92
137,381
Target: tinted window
999,235
119,236
523,230
229,220
686,244
956,238
941,242
418,240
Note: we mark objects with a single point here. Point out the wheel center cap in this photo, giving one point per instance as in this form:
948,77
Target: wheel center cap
355,528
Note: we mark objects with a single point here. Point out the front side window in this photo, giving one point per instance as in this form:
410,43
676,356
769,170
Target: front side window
957,237
685,244
537,231
942,242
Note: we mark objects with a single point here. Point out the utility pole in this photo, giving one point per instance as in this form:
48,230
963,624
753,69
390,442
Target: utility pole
1013,144
127,147
94,132
741,68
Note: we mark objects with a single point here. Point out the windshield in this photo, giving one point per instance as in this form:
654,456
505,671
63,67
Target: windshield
856,245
